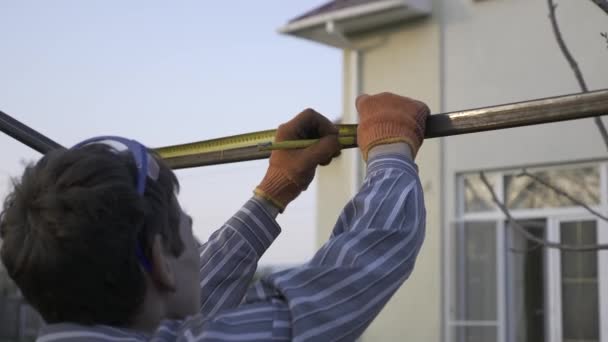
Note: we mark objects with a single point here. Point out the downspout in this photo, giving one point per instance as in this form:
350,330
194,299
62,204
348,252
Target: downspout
354,91
444,242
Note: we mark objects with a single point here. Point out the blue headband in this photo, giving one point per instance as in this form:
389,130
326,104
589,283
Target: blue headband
147,167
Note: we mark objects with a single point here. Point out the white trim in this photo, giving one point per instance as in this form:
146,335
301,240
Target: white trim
552,268
603,185
355,90
534,167
349,13
553,281
602,255
501,291
448,277
473,324
482,216
545,212
586,216
602,275
461,267
443,172
528,213
602,237
448,258
565,166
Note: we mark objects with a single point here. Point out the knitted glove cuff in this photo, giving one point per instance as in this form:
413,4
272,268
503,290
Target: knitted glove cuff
387,133
278,188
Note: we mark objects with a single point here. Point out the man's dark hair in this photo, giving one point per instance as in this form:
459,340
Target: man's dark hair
70,229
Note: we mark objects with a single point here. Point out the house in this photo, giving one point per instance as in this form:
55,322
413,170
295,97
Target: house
478,279
18,320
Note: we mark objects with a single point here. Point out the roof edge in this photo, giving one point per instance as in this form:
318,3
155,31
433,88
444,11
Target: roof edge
341,14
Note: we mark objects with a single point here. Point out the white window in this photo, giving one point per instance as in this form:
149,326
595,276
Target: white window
503,287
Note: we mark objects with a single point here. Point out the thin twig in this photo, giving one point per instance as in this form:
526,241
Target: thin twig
603,4
525,250
562,45
573,64
535,246
562,193
532,237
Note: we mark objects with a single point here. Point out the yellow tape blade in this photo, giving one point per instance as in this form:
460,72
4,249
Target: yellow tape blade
263,140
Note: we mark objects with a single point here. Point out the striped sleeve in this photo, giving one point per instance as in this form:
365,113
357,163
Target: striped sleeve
336,295
229,258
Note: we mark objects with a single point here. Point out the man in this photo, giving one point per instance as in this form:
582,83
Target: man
95,239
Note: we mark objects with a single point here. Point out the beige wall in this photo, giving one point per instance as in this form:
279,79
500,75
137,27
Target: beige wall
485,53
402,59
406,62
500,51
504,51
335,182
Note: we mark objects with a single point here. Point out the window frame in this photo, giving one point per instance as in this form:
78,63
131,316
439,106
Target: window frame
554,217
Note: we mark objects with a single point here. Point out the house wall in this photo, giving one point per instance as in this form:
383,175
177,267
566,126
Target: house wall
504,51
403,59
335,181
469,54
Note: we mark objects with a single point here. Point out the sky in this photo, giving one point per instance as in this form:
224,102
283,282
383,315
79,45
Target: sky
168,72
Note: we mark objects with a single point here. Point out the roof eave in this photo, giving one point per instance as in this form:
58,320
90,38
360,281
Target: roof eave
322,28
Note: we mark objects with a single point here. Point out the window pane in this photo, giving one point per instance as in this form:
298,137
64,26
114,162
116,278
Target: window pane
525,284
474,272
476,196
581,183
474,334
580,311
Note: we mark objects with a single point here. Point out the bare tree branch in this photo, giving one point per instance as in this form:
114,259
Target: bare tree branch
525,250
562,45
573,64
605,35
603,4
532,237
535,246
563,193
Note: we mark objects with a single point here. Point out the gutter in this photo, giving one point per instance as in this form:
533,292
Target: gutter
349,13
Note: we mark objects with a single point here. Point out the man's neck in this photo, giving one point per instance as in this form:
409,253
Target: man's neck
152,312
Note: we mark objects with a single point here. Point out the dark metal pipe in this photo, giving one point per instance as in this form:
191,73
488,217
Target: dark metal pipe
534,112
547,110
26,135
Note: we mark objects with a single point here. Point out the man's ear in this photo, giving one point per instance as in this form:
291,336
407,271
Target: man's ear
162,273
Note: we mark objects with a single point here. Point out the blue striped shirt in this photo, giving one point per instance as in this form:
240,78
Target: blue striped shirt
333,297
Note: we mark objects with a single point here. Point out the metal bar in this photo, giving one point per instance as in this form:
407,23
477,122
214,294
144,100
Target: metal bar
218,157
553,109
26,135
534,112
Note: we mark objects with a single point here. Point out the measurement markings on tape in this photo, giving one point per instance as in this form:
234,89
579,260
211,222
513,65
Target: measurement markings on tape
264,140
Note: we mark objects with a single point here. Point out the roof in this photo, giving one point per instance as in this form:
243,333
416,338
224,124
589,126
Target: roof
332,6
333,22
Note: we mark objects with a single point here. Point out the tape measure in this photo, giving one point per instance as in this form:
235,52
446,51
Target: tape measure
263,141
242,147
258,145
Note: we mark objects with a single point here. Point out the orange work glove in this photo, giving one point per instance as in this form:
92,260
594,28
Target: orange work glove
388,118
291,171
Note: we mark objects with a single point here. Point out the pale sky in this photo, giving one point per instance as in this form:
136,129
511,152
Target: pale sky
167,72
